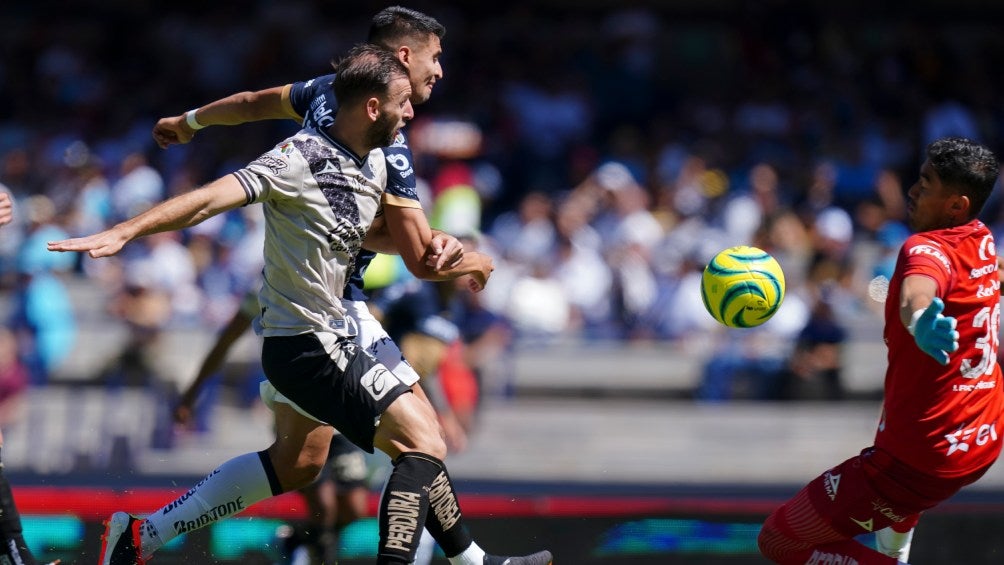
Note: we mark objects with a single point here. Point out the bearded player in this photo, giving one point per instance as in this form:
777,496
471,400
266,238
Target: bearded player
940,427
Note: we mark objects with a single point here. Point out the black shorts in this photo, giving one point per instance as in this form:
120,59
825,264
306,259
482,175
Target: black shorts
348,389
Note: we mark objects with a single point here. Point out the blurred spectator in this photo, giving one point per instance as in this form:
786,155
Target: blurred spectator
42,313
14,378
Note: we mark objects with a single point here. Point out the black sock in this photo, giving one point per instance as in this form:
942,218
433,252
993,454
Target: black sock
404,507
14,548
444,521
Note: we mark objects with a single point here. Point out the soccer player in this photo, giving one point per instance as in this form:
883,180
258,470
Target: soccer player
322,191
14,549
943,397
416,39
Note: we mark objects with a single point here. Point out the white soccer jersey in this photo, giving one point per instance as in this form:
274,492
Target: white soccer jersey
319,201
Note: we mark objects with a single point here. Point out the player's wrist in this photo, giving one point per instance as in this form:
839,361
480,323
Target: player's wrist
191,121
913,321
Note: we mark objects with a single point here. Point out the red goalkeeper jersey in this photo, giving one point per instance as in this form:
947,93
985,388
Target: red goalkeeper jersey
944,420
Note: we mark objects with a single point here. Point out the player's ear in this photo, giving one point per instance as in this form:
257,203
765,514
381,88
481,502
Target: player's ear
404,55
373,108
960,204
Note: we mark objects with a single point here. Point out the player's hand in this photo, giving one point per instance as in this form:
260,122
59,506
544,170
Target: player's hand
935,333
103,244
478,279
445,252
184,411
184,415
6,208
172,130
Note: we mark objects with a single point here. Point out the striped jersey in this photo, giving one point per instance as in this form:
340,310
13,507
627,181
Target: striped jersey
944,420
319,201
314,101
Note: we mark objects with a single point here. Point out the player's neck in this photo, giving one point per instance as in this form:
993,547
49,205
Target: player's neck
350,137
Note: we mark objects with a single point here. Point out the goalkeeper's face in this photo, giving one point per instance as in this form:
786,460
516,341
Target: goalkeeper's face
424,68
931,205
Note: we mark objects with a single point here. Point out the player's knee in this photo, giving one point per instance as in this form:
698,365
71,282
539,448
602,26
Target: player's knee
767,540
432,441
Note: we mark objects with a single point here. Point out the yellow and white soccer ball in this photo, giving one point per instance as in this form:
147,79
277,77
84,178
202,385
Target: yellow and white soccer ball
742,286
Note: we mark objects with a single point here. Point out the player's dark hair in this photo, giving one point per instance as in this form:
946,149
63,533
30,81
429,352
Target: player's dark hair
391,26
966,166
366,71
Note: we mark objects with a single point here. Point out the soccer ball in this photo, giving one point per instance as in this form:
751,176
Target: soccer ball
742,286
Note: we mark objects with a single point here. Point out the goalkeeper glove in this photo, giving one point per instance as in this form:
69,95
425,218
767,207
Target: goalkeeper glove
935,333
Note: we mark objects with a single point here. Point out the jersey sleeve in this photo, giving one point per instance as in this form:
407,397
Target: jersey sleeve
402,188
925,256
287,103
275,175
301,96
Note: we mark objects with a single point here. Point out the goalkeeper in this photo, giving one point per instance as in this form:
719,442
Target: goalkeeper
940,425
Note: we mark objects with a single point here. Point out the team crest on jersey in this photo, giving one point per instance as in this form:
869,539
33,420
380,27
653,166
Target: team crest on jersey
399,140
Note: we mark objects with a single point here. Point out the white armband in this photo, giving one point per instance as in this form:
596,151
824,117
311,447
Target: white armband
913,320
191,121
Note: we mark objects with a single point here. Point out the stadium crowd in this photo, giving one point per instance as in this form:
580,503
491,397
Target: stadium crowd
600,156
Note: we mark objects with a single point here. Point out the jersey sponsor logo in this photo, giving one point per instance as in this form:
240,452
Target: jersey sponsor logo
214,514
988,249
866,525
181,499
931,251
827,558
883,508
403,512
287,148
982,385
320,114
831,484
274,164
983,271
989,290
959,440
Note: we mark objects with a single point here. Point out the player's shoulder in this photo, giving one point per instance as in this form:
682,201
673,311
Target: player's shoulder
323,81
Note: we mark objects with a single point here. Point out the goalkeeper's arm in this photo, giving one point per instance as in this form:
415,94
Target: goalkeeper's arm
920,310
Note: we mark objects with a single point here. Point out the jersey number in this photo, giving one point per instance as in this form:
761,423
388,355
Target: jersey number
987,345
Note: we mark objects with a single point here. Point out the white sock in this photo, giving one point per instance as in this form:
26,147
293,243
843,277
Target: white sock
426,549
473,555
231,488
893,543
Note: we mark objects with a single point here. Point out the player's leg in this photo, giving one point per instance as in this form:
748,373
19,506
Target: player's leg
347,487
896,540
291,462
420,491
14,549
821,521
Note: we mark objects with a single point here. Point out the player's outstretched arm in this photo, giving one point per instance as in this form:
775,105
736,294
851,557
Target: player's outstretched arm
238,108
180,212
921,313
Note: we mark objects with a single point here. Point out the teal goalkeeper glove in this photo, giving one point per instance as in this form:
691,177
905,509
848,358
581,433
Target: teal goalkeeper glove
935,333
